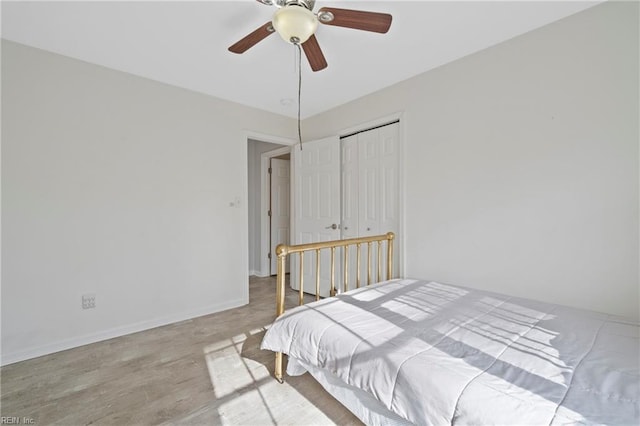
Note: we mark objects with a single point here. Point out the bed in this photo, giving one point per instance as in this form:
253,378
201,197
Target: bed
411,351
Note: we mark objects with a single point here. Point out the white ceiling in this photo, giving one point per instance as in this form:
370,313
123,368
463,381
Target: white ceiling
185,43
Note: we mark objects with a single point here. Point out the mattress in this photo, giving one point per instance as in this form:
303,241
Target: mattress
434,353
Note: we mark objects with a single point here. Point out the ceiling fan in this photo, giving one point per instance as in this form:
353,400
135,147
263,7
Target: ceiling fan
296,23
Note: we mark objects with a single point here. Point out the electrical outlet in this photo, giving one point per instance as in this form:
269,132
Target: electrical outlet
88,301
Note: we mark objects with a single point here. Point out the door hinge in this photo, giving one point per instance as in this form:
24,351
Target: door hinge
269,255
269,213
269,170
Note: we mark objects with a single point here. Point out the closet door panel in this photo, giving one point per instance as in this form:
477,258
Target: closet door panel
370,197
316,204
350,187
369,174
390,178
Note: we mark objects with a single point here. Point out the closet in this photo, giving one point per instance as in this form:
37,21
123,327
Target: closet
346,188
370,192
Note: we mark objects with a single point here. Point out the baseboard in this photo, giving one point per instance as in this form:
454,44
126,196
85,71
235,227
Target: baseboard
86,339
259,274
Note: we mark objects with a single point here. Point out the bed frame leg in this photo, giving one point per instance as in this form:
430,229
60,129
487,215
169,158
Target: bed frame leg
278,372
281,252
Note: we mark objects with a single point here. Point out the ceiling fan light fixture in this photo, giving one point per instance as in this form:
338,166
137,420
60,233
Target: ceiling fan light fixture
294,23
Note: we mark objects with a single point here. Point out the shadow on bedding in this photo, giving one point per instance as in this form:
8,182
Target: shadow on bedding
512,358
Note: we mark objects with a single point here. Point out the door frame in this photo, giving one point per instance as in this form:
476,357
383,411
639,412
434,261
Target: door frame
247,136
265,195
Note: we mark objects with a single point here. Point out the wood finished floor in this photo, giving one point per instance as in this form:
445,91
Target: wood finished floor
205,371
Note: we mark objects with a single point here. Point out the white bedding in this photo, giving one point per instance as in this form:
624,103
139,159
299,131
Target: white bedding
438,354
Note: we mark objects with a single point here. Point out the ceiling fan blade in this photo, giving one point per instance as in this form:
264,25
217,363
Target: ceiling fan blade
314,54
252,39
356,19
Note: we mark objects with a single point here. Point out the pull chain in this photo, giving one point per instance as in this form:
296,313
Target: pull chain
299,92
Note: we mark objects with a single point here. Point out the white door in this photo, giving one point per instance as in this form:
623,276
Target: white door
350,208
279,208
390,182
316,192
350,187
370,190
370,194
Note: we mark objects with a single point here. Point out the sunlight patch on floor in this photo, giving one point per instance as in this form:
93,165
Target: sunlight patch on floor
247,393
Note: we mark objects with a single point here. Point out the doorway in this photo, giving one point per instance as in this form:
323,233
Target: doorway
258,199
279,208
274,208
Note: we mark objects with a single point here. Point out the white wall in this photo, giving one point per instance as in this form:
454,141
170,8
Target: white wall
255,151
521,163
118,186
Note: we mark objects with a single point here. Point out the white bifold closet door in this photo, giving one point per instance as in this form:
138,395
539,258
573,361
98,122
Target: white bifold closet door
370,197
316,212
346,188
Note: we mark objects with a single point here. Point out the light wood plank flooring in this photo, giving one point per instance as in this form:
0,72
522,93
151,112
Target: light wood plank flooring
205,371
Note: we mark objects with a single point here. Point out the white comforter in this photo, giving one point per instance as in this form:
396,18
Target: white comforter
440,354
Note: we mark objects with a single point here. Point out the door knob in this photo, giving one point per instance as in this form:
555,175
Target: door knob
332,226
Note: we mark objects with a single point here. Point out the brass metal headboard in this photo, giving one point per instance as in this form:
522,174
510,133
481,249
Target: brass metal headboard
283,250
